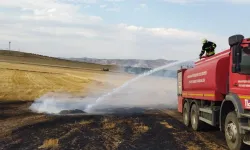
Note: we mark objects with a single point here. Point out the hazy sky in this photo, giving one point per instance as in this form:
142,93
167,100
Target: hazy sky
146,29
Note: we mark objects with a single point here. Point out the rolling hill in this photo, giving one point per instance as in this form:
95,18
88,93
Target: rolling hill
126,62
31,58
132,66
139,66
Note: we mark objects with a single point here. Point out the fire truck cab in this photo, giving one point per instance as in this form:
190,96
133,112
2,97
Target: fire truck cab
216,92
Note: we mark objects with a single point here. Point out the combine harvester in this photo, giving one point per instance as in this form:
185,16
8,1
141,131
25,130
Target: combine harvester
216,92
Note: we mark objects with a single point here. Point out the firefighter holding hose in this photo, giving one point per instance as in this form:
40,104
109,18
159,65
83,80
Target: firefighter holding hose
208,47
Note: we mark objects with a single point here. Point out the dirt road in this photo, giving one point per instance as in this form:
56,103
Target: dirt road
153,129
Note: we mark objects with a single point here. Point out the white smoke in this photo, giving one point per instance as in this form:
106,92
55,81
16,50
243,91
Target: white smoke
100,99
53,103
142,91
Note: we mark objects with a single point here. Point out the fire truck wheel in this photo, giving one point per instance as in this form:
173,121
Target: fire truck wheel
232,135
186,114
195,122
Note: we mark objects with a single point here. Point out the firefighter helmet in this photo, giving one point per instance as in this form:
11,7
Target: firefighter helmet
204,41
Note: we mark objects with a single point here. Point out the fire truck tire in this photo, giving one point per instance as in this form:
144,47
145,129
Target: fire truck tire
186,114
195,122
232,134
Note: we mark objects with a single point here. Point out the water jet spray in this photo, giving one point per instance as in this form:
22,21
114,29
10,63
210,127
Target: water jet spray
55,103
100,99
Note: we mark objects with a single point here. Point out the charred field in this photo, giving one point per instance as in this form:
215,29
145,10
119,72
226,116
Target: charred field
141,130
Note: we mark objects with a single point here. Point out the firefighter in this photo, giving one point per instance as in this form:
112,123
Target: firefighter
208,47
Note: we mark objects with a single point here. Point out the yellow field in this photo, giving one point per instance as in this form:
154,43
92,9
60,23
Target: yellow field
28,82
31,58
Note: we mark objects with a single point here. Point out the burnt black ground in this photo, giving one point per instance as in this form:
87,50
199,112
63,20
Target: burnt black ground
141,131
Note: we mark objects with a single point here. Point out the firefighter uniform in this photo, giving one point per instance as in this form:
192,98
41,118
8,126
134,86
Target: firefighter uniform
208,47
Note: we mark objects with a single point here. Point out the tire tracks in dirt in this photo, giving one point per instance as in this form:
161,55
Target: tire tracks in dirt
65,83
212,137
37,83
6,84
21,84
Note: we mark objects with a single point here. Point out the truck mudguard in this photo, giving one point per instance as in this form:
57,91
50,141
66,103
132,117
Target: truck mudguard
237,105
236,101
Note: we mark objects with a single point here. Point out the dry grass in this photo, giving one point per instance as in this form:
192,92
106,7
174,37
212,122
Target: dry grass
29,82
50,143
108,125
140,128
86,122
209,144
6,127
73,132
192,146
21,57
166,124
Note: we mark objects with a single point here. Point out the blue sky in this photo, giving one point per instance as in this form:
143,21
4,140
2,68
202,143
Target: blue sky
202,16
144,29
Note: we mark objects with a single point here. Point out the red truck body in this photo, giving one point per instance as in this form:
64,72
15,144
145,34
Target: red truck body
216,89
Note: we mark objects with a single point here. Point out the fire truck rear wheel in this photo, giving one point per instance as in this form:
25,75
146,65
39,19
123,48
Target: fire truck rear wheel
186,114
232,134
195,122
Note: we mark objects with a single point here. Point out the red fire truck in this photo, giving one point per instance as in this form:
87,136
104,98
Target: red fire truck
216,92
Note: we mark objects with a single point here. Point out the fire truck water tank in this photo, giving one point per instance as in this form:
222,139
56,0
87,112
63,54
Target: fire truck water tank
208,75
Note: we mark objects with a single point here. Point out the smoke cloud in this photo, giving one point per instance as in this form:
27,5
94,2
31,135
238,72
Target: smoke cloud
147,92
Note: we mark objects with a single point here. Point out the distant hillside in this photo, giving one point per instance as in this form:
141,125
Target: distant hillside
17,56
138,66
126,62
166,72
132,66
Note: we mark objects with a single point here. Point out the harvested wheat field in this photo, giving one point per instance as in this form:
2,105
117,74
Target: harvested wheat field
27,82
22,83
